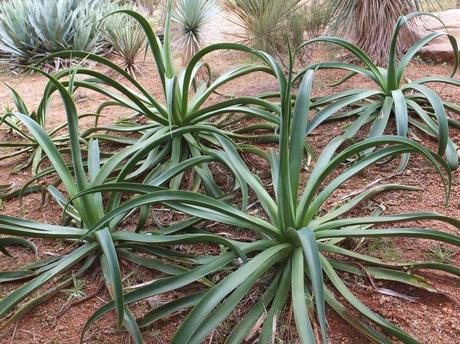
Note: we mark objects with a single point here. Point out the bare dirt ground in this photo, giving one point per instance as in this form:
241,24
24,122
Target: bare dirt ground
432,318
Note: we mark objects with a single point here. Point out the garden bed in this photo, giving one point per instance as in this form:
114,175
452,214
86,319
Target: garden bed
432,318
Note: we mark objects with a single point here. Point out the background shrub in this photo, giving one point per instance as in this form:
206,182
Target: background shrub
125,37
30,29
190,19
261,19
307,21
269,23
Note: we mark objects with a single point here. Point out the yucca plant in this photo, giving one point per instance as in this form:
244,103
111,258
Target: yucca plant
125,37
103,248
191,18
185,107
262,19
296,256
411,104
31,29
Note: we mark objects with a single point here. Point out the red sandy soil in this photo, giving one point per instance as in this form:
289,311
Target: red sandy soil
432,318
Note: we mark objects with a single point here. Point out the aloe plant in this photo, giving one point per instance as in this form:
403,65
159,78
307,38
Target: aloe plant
12,241
297,244
26,144
411,104
106,246
186,104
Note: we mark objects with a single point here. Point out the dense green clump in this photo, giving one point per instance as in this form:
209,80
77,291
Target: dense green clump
30,29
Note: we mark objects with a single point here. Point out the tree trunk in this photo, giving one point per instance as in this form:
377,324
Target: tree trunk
373,27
